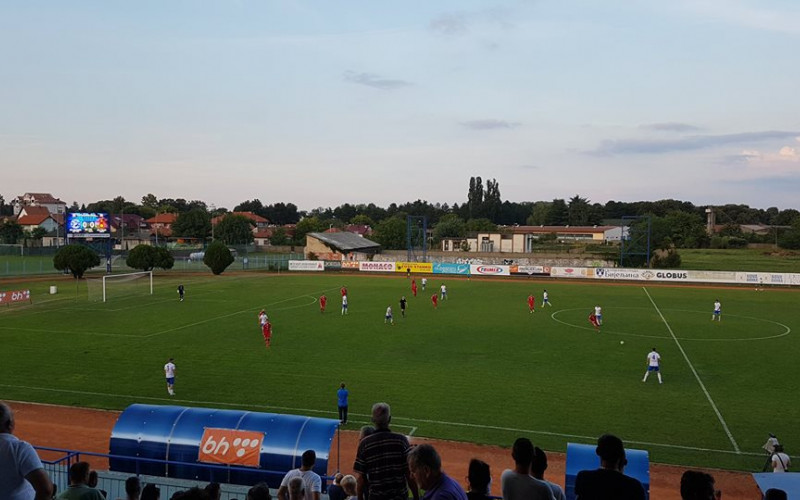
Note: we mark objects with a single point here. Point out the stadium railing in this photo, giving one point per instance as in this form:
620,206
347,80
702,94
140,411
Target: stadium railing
57,462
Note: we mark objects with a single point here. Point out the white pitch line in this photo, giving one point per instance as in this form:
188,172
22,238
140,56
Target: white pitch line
172,400
696,375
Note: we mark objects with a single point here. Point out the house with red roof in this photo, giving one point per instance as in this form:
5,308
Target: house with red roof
258,221
46,200
161,225
32,216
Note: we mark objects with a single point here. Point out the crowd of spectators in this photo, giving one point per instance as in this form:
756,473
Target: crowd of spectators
386,467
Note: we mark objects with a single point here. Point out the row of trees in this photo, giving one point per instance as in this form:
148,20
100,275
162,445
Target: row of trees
76,259
483,210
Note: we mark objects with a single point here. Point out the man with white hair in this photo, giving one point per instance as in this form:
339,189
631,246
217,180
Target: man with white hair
22,476
382,461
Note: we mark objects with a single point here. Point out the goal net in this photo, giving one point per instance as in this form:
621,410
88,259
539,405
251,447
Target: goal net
117,286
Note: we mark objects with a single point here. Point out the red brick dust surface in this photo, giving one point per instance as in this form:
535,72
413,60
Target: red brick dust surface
90,430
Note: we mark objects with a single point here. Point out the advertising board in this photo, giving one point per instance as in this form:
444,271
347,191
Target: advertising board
380,267
527,269
571,272
450,268
414,267
88,225
489,270
306,265
230,446
15,296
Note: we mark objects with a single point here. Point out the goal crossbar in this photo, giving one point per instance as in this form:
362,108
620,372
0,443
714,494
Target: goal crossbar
127,277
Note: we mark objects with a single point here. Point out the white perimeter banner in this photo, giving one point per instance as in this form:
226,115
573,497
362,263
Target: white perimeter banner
572,272
306,265
530,269
489,270
665,275
768,278
381,267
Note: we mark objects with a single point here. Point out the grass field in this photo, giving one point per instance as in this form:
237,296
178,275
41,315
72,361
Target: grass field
479,369
742,259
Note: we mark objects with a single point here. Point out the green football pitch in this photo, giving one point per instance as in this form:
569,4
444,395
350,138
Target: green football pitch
480,368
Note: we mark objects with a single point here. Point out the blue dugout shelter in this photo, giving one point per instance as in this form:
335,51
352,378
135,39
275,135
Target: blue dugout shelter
232,446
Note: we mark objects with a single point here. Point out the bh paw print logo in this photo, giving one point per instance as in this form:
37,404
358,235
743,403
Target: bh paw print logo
229,446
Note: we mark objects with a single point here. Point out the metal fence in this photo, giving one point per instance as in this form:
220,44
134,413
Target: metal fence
57,461
42,264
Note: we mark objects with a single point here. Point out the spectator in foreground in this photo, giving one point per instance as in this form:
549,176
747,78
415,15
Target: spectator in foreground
335,490
94,479
696,485
425,466
78,488
22,475
311,480
296,488
151,492
381,461
213,491
349,486
260,491
780,460
133,488
479,476
538,466
775,494
518,484
608,481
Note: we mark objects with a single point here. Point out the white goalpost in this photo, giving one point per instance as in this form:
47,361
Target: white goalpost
139,283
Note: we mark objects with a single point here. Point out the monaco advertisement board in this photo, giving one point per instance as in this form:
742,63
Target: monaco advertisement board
379,267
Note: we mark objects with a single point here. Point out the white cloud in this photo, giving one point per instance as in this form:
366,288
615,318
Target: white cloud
782,163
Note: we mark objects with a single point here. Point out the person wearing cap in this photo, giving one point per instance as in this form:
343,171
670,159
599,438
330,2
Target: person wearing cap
608,481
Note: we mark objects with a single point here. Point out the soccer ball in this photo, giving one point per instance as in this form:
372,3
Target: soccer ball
621,342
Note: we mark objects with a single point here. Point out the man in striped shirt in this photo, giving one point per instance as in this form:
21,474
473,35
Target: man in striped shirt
381,461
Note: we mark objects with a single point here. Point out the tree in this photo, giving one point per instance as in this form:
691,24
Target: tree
578,211
234,229
150,201
11,232
391,233
362,220
538,217
483,225
218,257
279,237
475,198
558,215
76,259
687,230
192,224
449,226
491,201
148,257
307,225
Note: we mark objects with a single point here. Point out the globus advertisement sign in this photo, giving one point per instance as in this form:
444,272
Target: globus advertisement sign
489,270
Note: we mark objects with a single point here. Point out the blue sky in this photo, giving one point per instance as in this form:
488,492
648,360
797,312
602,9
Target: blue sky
322,103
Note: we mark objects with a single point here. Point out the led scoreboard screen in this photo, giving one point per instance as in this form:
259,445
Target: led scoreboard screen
88,225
